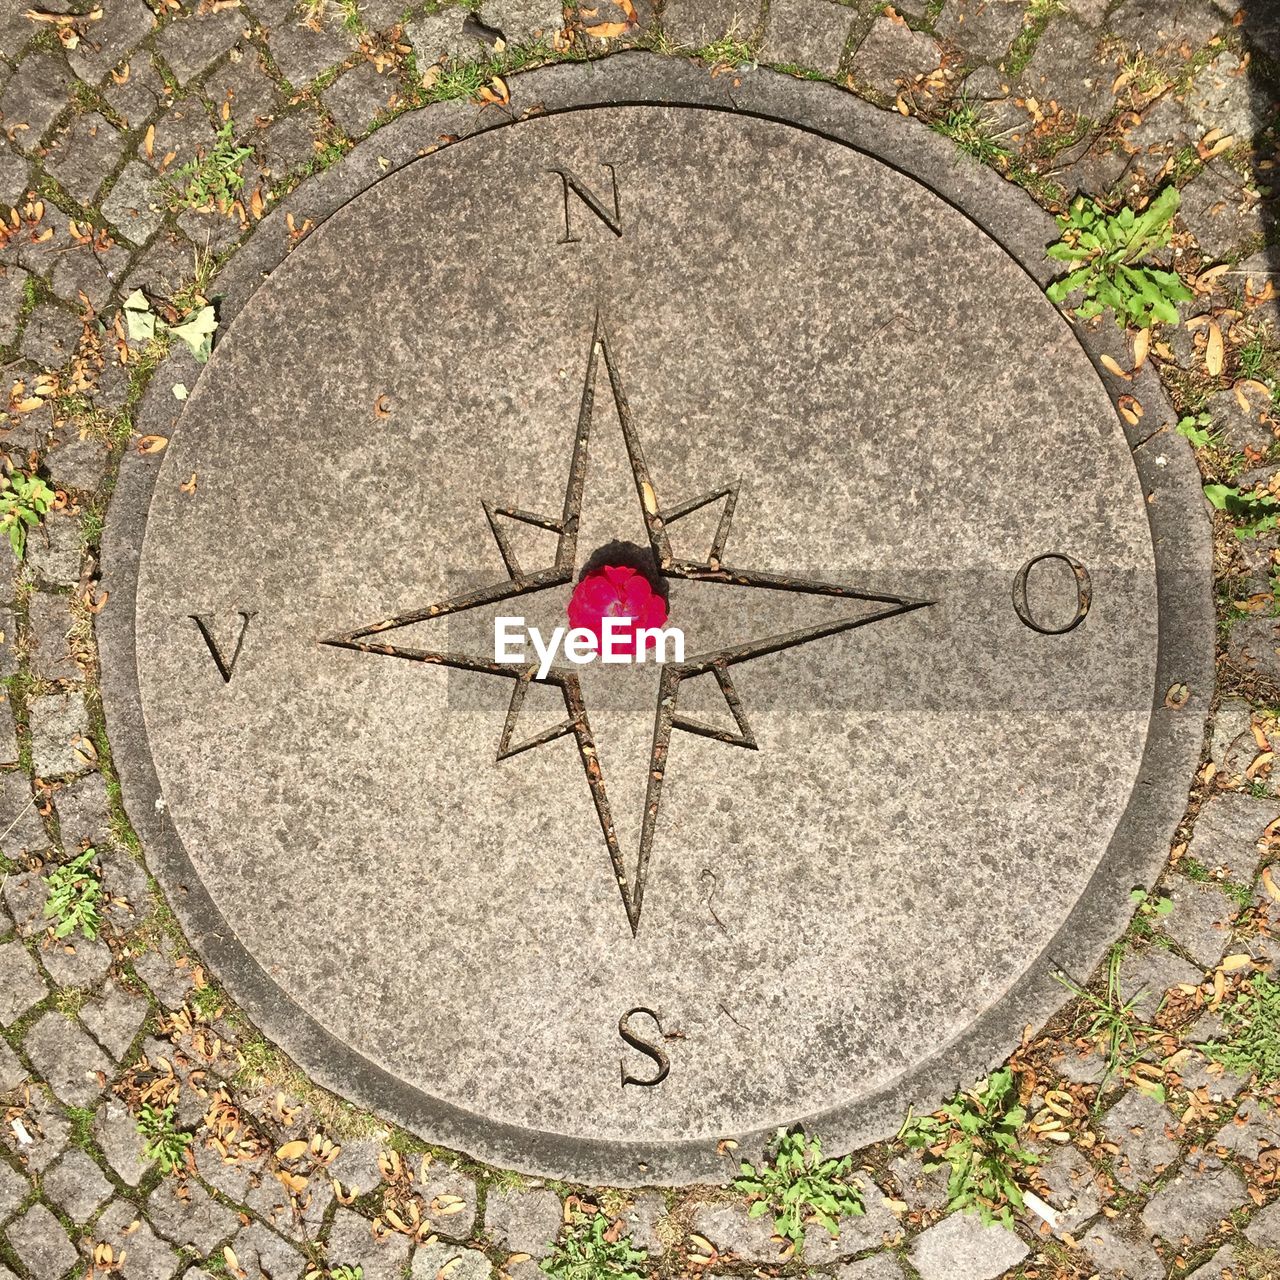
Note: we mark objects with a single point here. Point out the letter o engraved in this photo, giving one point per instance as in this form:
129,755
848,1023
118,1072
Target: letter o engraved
1084,594
660,1059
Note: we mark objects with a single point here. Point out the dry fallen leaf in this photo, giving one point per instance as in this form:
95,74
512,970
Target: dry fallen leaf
1112,365
292,1150
152,444
1213,352
607,30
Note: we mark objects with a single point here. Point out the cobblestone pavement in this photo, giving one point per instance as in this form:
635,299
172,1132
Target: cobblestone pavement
122,120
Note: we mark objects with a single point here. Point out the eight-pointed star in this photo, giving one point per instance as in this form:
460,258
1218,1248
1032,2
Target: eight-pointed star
558,578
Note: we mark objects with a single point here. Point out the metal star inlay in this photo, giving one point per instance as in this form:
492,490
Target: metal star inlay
717,663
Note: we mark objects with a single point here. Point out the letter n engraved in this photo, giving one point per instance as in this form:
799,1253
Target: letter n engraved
225,669
571,183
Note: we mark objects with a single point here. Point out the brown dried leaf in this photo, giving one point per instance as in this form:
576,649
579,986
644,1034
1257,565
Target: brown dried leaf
292,1150
1213,351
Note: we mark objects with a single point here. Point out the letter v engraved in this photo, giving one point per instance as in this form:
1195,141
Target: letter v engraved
225,669
571,182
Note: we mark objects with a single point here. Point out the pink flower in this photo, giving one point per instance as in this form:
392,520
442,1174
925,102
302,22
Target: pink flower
616,591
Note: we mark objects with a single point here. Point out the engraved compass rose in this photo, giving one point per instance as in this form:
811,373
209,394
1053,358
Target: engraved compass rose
371,638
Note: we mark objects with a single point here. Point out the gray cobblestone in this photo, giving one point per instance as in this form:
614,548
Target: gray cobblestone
356,98
84,154
1140,1127
807,33
1200,922
244,88
77,1186
122,25
188,1216
41,1244
1119,1248
880,1266
51,336
1264,1227
961,1248
116,1132
14,1189
114,1017
876,1227
692,24
54,550
22,826
640,1222
302,54
1252,1129
125,883
443,35
39,1135
51,621
21,985
12,1072
190,44
1065,69
351,1240
33,98
135,204
14,173
139,94
147,1256
892,55
84,812
75,1068
260,1251
58,722
1228,832
442,1181
97,274
523,21
1147,975
169,984
469,1264
1190,1207
523,1221
983,28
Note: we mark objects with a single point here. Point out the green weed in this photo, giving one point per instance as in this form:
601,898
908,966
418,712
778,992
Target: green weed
796,1184
1252,513
976,1135
213,179
1252,1023
165,1143
589,1248
75,897
1111,1018
1106,249
966,126
24,501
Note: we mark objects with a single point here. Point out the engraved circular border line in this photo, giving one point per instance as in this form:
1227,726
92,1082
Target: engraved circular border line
1138,849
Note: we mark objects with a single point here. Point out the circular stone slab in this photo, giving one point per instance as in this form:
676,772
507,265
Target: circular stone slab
592,924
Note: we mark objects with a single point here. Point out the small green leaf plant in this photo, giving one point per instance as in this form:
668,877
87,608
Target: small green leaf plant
1252,513
1251,1045
795,1184
591,1248
1106,252
1112,1019
196,330
1197,427
24,501
165,1143
976,1136
75,897
213,179
341,1271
